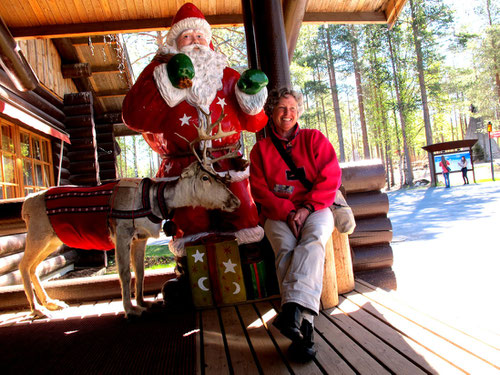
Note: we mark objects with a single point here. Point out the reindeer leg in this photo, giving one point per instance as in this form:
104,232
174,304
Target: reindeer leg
35,252
122,254
138,252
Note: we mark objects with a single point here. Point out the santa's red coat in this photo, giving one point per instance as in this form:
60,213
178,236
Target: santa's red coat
145,111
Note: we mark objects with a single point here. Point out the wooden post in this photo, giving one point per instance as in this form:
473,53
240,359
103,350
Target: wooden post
343,262
338,276
329,294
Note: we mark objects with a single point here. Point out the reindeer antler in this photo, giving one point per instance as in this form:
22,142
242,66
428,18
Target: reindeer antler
205,134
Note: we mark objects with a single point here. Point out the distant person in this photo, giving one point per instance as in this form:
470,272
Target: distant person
444,164
463,167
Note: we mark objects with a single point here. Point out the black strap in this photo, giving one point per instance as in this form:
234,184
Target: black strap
288,160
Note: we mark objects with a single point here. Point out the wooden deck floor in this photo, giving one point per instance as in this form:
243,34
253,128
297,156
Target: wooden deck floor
370,332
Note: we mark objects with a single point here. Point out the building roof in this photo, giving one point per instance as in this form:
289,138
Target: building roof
47,18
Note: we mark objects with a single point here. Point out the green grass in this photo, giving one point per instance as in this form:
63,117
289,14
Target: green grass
158,251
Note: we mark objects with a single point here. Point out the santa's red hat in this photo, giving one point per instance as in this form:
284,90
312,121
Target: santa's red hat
188,17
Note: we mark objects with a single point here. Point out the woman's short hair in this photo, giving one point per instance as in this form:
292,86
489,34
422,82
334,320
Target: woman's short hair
276,94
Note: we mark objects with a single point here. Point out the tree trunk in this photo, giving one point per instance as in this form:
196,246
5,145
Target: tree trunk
408,169
359,90
423,89
335,97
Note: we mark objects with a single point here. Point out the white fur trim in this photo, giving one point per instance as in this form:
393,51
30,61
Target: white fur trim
169,93
251,104
243,236
194,23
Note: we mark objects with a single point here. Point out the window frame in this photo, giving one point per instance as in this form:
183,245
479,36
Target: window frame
45,161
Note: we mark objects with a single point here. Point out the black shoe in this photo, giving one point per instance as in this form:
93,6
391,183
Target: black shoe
289,320
304,350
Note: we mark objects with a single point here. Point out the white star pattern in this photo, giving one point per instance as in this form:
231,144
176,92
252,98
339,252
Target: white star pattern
168,167
198,257
185,119
221,102
229,266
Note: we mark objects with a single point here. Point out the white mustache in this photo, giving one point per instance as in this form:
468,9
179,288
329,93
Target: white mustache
192,47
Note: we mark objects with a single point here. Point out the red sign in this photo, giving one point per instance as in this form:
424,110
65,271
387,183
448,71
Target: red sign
495,134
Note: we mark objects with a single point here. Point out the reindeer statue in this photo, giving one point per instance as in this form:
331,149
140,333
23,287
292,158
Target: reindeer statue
124,214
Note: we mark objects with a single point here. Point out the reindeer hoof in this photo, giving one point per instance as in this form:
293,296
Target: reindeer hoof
55,304
38,314
134,312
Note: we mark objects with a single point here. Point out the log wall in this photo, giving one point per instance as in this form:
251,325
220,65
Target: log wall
82,153
44,59
370,242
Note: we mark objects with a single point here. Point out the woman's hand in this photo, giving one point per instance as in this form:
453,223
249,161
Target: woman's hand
296,220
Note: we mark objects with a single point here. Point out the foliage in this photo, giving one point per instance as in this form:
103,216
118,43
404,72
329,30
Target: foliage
460,61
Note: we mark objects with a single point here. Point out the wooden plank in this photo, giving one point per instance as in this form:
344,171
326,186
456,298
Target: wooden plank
417,353
214,353
347,348
327,359
239,350
386,355
269,357
470,355
481,348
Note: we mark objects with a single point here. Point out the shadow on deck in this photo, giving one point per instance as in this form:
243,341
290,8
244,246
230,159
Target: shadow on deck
370,332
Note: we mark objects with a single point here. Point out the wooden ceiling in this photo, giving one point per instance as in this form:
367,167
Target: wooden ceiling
63,18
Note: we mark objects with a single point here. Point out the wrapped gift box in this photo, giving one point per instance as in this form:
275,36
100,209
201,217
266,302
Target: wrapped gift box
255,279
215,272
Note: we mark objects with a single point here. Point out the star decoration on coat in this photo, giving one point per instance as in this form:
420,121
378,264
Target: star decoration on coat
229,266
198,257
168,167
185,119
221,102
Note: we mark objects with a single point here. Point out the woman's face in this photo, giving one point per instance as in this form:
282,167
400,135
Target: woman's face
285,115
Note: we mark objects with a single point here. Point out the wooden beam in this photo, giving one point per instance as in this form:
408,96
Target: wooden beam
78,70
293,14
394,9
345,17
113,27
105,69
14,62
271,42
121,130
112,93
131,26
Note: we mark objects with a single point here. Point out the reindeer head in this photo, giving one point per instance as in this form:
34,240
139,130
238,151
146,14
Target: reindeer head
209,189
205,189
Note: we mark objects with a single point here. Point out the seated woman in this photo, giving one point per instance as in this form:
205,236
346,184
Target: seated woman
296,217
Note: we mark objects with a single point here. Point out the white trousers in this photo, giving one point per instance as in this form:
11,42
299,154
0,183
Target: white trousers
300,263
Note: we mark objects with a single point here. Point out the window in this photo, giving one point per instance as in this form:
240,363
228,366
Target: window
25,161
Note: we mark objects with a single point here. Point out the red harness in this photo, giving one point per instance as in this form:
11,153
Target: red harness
79,215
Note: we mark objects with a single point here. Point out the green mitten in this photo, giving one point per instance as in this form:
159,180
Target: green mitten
252,81
180,70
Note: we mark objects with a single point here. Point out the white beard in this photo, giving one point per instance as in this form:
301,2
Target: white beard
209,69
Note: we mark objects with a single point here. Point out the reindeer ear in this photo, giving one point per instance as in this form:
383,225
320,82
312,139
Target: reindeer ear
190,170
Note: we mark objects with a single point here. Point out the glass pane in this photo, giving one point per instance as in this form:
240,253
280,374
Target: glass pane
8,169
37,152
28,191
3,193
27,173
25,145
7,142
38,175
46,176
45,151
10,192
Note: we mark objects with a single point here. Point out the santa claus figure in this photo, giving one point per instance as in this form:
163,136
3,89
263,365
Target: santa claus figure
187,85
